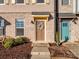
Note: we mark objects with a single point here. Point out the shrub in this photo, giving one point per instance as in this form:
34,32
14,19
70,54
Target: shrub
18,41
8,42
25,39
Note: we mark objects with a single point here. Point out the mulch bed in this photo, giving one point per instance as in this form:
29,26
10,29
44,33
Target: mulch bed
60,51
18,52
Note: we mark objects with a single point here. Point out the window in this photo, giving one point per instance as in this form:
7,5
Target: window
19,1
65,2
1,1
40,1
19,27
0,23
1,27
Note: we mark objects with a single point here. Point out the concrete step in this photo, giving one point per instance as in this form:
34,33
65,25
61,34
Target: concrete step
40,45
40,53
40,57
40,49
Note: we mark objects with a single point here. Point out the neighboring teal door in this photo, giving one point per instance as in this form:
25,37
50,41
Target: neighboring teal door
65,30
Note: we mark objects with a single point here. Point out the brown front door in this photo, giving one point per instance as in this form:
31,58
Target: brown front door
40,30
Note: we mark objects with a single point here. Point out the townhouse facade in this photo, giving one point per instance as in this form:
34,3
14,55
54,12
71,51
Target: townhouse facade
35,19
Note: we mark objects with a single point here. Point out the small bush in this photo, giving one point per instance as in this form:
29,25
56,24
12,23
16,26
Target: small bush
18,41
8,42
25,39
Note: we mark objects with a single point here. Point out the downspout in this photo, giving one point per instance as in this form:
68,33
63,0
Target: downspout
56,20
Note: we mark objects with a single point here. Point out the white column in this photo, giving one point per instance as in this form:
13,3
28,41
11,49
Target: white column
13,1
77,7
47,1
26,1
74,6
6,1
33,1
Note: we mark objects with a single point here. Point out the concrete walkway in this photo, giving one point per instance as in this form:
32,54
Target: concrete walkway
40,51
74,48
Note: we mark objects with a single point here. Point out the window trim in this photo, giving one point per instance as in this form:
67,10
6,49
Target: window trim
65,4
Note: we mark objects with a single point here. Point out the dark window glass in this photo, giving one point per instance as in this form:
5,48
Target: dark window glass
65,2
1,1
40,1
19,31
1,27
19,1
1,32
19,23
0,23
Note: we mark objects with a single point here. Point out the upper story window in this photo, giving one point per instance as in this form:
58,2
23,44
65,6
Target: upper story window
1,1
19,1
65,2
39,1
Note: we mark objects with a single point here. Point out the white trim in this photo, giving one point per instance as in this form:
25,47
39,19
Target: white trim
69,2
45,30
74,6
77,5
2,4
13,1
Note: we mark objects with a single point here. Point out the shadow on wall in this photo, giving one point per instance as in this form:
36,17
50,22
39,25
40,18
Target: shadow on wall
50,17
5,24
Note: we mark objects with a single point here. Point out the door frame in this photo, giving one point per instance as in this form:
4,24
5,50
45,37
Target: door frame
44,30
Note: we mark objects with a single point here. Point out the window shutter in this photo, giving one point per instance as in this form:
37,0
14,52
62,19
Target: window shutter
6,1
33,1
47,1
27,1
13,1
2,23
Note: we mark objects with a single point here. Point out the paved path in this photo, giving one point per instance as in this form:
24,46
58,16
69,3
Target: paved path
40,51
61,58
74,48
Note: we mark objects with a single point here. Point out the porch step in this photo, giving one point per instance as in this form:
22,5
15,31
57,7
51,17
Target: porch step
40,57
40,45
40,51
